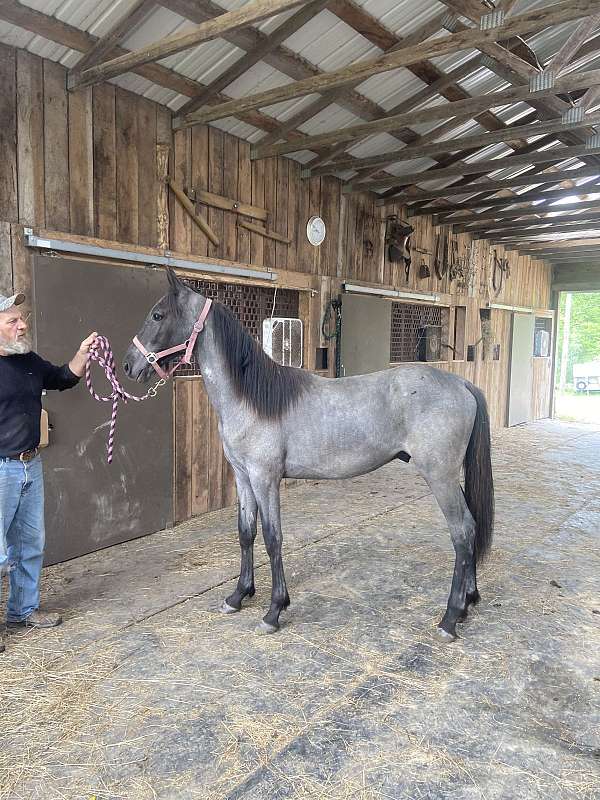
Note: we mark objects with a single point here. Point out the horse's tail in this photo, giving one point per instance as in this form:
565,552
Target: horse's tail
479,482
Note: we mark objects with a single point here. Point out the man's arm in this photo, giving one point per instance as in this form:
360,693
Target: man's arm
80,359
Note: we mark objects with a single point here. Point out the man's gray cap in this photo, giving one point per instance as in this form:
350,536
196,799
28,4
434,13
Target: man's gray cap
9,302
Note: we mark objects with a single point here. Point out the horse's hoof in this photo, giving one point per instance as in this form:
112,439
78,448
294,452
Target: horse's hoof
444,636
227,609
264,628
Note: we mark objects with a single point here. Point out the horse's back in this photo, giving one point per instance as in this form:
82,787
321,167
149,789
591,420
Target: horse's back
348,426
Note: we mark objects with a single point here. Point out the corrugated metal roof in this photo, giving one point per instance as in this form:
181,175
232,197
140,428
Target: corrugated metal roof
325,41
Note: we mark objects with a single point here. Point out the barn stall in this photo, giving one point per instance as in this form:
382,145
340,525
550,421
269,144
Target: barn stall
225,151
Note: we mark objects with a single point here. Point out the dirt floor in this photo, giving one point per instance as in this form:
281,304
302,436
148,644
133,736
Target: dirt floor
147,692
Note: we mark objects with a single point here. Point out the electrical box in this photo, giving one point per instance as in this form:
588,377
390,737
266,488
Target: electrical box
282,340
429,343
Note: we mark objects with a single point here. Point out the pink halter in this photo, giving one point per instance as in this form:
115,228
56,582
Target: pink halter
188,346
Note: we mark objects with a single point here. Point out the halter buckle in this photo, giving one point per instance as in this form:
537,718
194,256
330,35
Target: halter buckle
151,358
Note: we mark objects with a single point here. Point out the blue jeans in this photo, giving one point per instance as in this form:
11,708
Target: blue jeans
21,534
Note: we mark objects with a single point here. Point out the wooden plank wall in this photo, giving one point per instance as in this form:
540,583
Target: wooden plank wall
85,163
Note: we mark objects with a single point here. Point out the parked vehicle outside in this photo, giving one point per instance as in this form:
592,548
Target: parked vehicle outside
586,377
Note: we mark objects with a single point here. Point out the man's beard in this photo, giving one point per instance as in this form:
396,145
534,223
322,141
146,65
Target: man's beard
18,347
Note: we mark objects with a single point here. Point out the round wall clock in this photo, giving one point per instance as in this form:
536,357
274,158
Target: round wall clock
315,230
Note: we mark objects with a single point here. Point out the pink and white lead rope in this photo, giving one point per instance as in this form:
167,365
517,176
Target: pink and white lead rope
102,353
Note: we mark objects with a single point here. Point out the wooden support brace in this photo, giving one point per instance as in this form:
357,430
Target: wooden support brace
162,199
263,232
227,204
189,207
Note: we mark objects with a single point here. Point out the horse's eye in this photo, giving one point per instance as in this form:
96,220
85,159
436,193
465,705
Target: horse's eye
157,316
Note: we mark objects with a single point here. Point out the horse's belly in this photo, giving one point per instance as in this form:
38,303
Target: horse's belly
336,464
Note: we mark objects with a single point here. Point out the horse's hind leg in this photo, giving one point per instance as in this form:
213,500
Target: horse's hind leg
247,515
451,500
267,495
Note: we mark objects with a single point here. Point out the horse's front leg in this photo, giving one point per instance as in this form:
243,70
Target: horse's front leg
267,494
247,515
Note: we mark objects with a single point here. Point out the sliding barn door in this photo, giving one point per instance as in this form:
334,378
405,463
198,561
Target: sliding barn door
365,334
521,369
91,504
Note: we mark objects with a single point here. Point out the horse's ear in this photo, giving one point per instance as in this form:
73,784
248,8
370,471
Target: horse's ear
174,282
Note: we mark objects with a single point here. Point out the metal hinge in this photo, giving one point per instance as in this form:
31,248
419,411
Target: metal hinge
593,141
493,20
541,80
573,114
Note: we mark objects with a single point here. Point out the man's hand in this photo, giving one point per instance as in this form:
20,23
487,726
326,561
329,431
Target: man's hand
81,357
84,347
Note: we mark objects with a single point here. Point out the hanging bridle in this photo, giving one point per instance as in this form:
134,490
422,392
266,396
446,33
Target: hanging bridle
188,346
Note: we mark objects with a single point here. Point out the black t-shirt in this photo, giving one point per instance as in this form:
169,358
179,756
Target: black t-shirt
22,379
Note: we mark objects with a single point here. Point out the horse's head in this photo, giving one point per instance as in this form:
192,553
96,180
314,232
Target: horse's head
169,323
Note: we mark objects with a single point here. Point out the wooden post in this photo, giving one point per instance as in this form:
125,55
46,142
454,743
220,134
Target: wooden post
162,199
564,356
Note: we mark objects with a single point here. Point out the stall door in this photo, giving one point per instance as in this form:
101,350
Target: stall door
521,369
365,334
91,504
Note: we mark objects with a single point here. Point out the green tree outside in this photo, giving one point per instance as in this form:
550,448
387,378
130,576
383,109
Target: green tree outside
584,340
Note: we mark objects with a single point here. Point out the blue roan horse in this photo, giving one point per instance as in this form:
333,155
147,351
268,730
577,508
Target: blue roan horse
279,422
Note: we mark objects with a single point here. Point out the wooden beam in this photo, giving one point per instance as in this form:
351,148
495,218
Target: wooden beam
443,84
566,244
162,200
67,35
544,227
516,73
404,185
494,137
476,168
498,185
189,207
590,98
459,110
253,11
107,43
228,204
526,198
249,226
475,221
251,58
530,21
571,47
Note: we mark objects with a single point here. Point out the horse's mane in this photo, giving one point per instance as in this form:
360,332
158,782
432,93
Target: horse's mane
269,388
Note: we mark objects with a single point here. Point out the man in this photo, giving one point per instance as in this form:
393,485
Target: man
23,375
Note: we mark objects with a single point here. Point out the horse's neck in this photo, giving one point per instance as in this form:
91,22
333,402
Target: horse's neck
215,374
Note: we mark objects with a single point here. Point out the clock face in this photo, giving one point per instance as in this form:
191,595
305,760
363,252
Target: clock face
315,230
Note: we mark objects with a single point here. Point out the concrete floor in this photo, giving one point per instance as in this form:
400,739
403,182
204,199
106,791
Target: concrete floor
146,692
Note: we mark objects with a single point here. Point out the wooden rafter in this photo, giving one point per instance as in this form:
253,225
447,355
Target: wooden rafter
524,199
558,155
571,47
107,43
252,12
541,225
438,82
561,245
517,73
485,139
282,59
479,221
459,111
251,58
528,22
69,36
499,185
